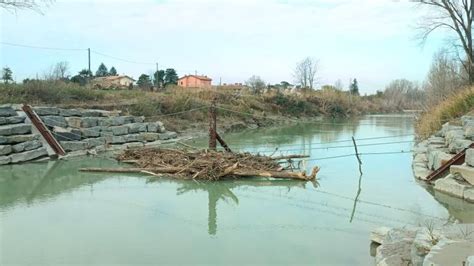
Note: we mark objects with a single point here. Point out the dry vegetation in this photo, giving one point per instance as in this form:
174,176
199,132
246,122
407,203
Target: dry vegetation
206,165
454,106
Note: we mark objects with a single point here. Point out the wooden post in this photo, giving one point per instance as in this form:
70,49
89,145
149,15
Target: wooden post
213,125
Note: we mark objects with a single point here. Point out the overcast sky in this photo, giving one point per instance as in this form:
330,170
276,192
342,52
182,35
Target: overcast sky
371,40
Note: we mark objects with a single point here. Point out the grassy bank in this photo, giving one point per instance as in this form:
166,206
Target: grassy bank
238,103
450,109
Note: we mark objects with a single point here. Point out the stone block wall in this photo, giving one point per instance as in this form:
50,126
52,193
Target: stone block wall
85,129
17,142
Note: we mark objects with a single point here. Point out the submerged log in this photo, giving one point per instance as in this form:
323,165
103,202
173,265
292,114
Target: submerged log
294,156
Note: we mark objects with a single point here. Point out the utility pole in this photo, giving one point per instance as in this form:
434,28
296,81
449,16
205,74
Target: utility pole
157,80
213,125
89,57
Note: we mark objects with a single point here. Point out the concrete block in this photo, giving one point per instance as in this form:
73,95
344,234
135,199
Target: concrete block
138,119
15,129
465,171
81,122
421,171
46,111
93,113
5,149
469,194
6,110
133,138
458,145
74,145
28,155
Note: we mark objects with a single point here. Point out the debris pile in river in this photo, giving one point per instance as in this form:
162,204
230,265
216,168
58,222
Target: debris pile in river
206,164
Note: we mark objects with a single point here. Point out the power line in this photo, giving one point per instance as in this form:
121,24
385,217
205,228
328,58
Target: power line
122,59
42,47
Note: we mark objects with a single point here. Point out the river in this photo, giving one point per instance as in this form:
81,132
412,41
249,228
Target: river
51,214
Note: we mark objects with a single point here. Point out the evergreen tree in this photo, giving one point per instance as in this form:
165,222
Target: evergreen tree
102,71
82,77
354,87
159,78
113,71
7,75
171,77
144,81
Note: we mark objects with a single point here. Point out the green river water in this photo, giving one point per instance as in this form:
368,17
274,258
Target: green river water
50,214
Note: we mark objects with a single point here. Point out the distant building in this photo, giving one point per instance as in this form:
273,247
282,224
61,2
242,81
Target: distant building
195,81
113,82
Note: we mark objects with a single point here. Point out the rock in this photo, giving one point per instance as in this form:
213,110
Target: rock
5,160
469,132
465,171
148,136
74,145
420,158
167,135
46,111
128,119
93,113
69,112
5,149
469,195
119,130
114,139
94,142
66,134
18,138
28,155
436,140
16,129
448,252
447,128
80,122
421,171
454,134
54,121
133,138
436,158
466,119
14,119
136,128
134,145
91,132
396,248
450,186
6,110
138,119
458,145
422,244
470,157
152,127
27,146
470,261
112,121
378,234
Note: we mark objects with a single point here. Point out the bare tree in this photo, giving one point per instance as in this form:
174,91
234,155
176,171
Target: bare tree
14,5
305,72
457,17
61,70
444,78
256,84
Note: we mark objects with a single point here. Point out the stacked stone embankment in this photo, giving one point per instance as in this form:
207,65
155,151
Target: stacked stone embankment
17,142
98,130
425,245
430,154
